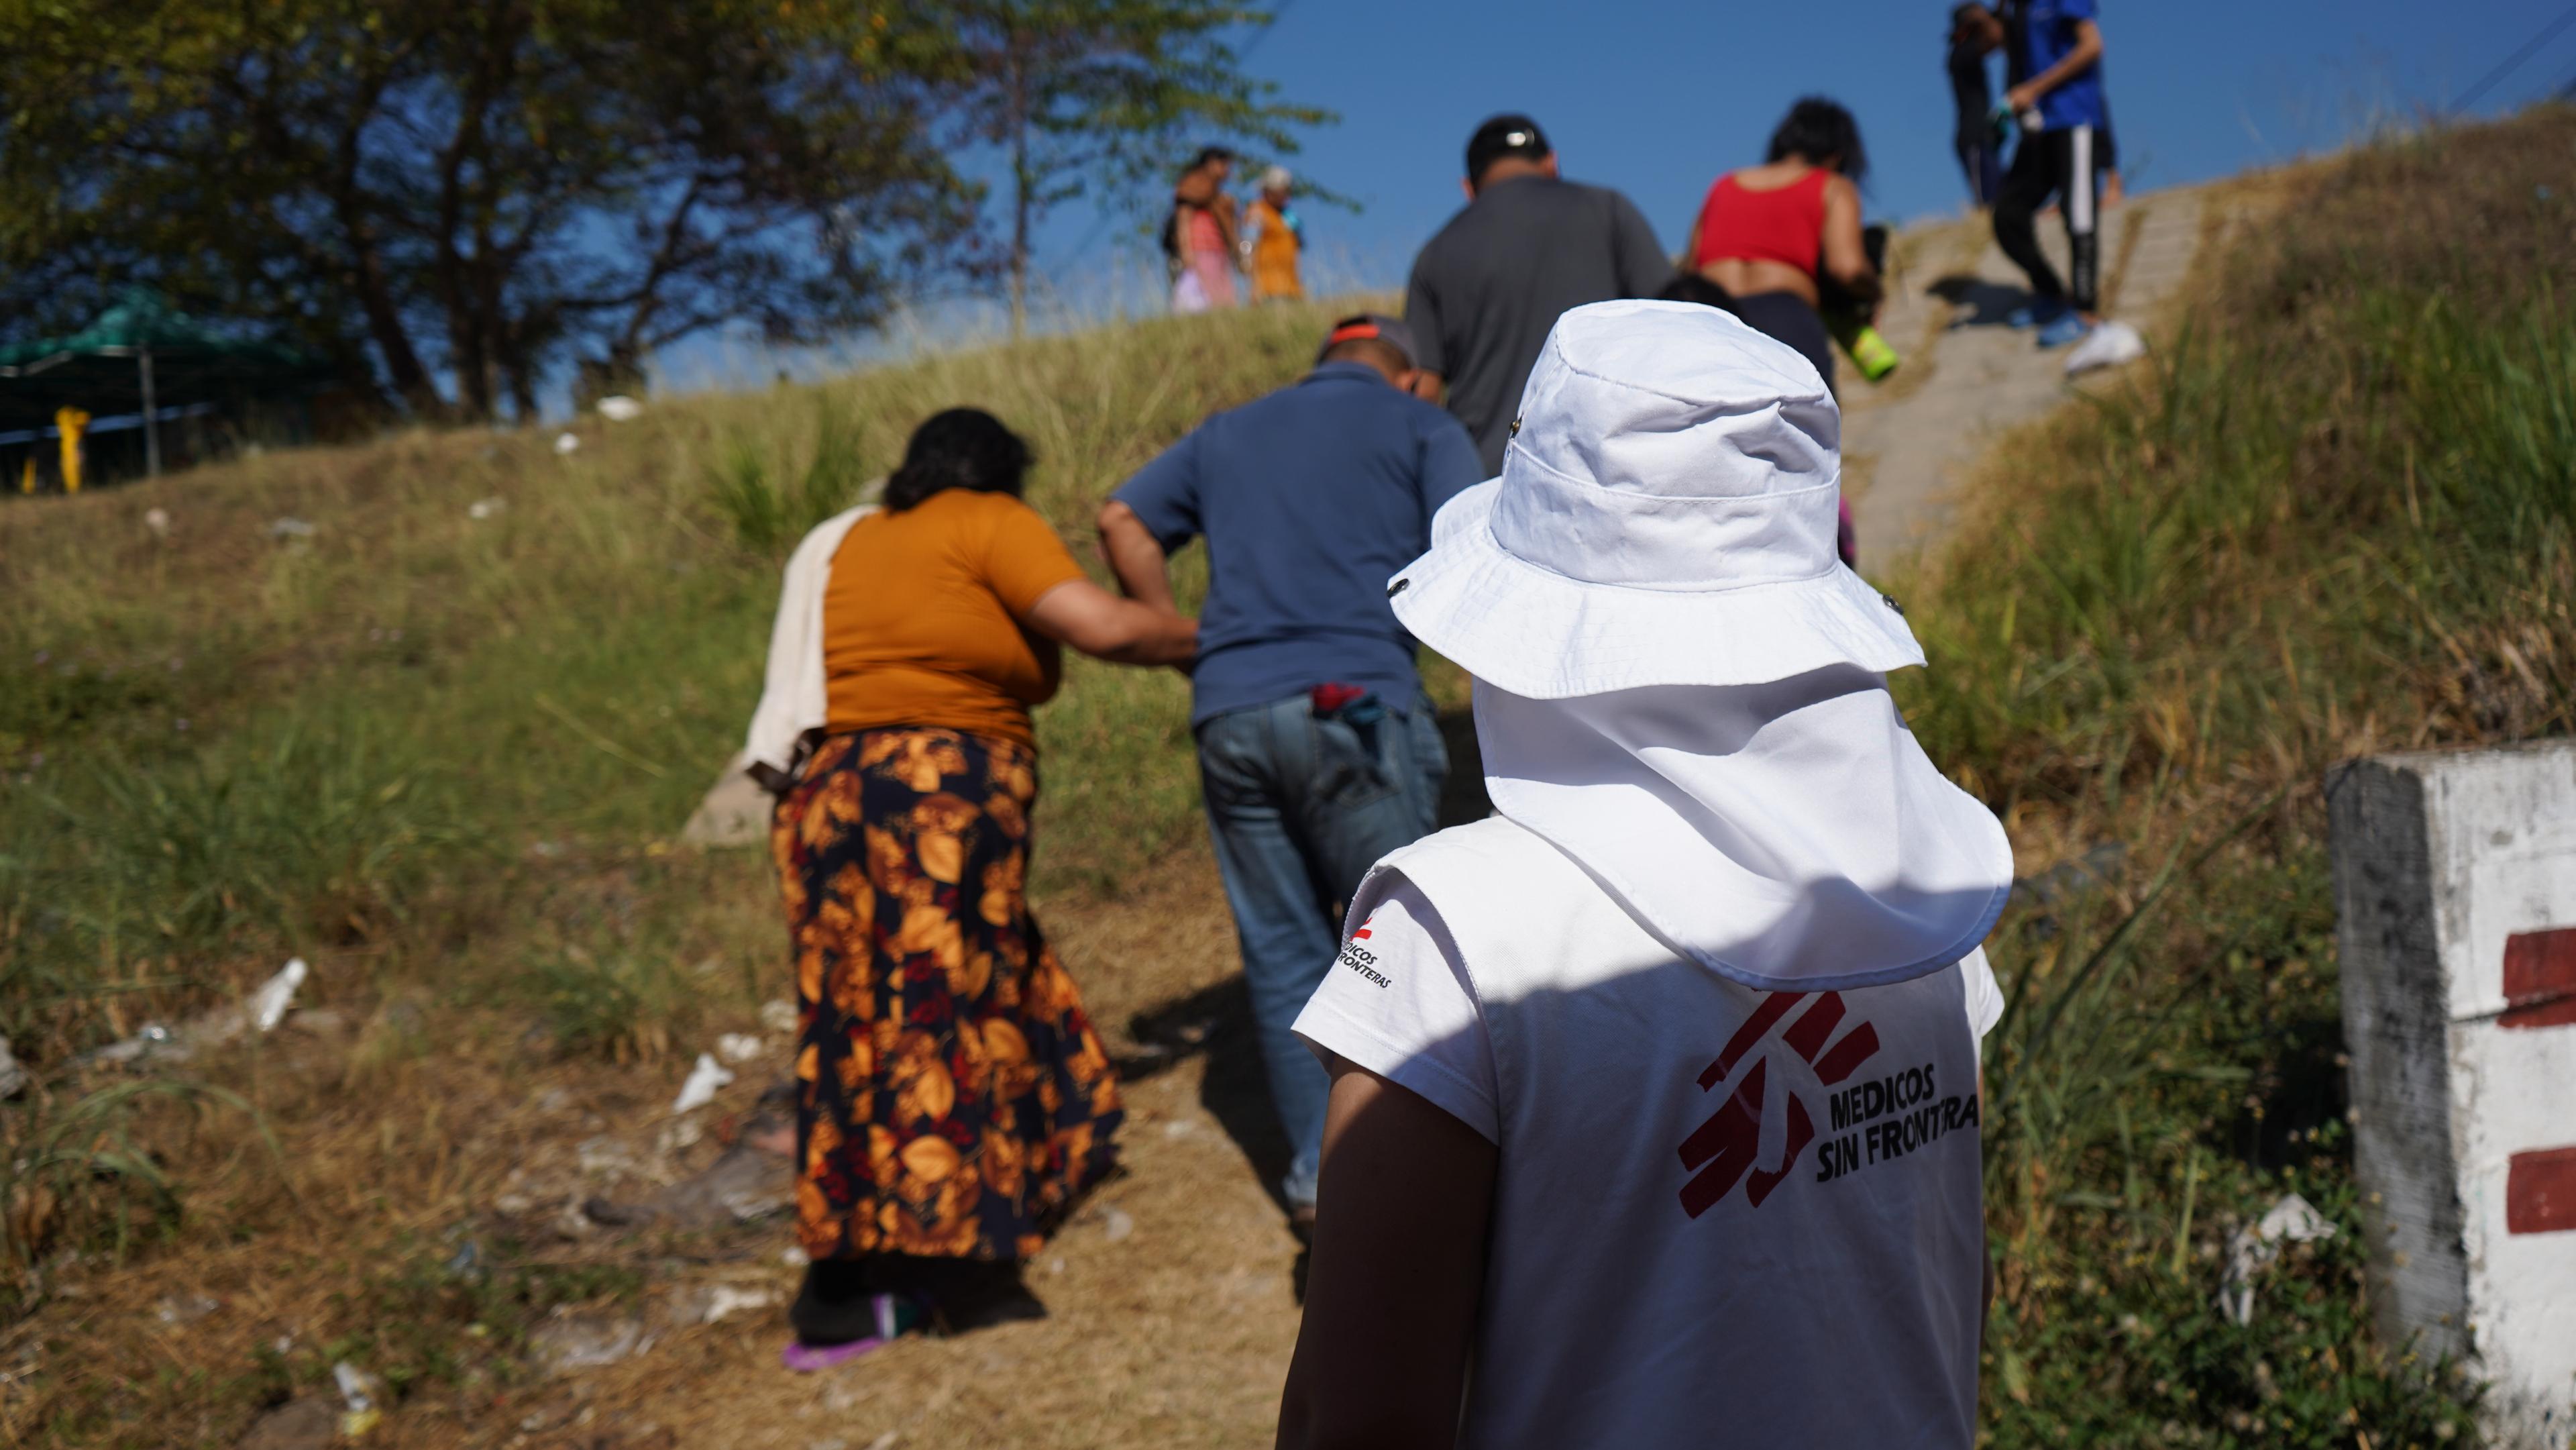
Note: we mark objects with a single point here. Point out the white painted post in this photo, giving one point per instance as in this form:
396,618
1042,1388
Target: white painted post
2455,886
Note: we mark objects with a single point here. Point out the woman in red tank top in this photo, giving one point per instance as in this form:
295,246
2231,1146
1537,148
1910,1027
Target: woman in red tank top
1770,234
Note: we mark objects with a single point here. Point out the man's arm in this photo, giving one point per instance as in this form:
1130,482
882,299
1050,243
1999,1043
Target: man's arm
2088,49
1150,515
1135,557
1398,1272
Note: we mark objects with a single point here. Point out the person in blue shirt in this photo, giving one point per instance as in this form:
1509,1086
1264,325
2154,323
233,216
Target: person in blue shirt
2054,65
1318,753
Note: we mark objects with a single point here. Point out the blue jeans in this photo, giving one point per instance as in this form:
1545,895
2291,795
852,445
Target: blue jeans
1301,806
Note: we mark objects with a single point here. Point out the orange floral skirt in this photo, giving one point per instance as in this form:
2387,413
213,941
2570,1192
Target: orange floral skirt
953,1097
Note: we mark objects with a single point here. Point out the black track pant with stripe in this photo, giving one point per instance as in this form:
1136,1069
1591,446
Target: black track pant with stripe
2057,163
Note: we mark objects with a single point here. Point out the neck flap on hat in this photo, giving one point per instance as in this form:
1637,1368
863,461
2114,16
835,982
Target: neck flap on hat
1788,835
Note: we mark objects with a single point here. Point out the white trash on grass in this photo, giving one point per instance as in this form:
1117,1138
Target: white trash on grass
619,408
2292,1218
567,443
2106,346
268,1005
726,1300
778,1015
700,1089
484,508
738,1047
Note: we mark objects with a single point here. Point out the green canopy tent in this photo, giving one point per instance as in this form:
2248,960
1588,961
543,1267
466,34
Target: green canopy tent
143,356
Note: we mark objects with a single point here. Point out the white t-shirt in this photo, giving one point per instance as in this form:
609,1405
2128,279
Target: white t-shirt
1720,1213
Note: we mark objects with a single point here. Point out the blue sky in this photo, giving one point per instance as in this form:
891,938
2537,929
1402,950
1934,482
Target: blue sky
1657,100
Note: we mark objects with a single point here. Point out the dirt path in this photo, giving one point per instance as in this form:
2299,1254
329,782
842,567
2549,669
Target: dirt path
1909,444
1172,1294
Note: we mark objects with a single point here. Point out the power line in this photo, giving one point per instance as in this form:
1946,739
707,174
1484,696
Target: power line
1276,15
2529,48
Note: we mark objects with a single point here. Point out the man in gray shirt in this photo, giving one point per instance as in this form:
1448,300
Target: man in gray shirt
1529,245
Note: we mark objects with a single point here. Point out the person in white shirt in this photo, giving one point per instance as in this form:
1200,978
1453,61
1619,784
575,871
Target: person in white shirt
1654,1118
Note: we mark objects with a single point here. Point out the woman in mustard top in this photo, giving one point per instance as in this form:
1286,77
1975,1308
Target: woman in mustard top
953,1099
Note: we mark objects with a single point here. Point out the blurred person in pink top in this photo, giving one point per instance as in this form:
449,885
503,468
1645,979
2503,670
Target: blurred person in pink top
1200,235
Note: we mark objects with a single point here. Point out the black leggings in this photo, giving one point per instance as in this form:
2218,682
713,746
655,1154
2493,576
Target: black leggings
2059,163
1786,317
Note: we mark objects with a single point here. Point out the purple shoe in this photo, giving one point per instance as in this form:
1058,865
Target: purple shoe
806,1358
895,1316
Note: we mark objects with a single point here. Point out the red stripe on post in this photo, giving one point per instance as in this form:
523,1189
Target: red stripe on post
2540,978
2540,1192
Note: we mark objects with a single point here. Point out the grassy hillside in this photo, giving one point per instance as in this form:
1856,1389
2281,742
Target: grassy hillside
224,745
443,756
2333,517
440,745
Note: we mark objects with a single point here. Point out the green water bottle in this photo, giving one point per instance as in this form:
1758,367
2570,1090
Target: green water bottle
1860,342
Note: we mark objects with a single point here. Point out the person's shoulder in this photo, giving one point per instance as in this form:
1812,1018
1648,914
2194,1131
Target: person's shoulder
1495,850
977,503
1428,419
1464,220
1590,194
984,514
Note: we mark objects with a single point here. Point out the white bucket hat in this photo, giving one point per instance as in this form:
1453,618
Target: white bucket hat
1678,684
1665,516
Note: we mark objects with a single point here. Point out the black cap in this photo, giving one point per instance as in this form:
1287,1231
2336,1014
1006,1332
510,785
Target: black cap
1507,135
1369,327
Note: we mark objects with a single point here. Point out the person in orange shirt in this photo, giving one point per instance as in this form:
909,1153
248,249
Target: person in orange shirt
953,1100
1273,237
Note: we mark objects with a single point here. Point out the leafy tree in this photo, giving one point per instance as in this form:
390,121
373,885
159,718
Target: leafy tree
1095,98
457,196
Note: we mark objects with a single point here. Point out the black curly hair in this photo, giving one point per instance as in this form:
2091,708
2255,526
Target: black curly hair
959,448
1817,130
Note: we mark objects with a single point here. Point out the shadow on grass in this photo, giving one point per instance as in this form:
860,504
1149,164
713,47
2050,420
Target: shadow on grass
1215,1022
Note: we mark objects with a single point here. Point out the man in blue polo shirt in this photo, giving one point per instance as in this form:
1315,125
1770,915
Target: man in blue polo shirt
2053,55
1317,751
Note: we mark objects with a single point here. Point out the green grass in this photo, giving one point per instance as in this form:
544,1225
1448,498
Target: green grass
2334,516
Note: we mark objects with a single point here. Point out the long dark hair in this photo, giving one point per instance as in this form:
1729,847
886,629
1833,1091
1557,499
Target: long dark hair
1815,129
961,448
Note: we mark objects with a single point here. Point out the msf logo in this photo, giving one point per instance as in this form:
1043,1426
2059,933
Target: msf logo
1721,1151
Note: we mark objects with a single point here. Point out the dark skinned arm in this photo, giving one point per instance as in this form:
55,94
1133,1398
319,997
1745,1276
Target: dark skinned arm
1135,557
1398,1272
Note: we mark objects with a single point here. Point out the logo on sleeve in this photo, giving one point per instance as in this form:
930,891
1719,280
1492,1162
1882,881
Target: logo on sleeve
1359,958
1872,1121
